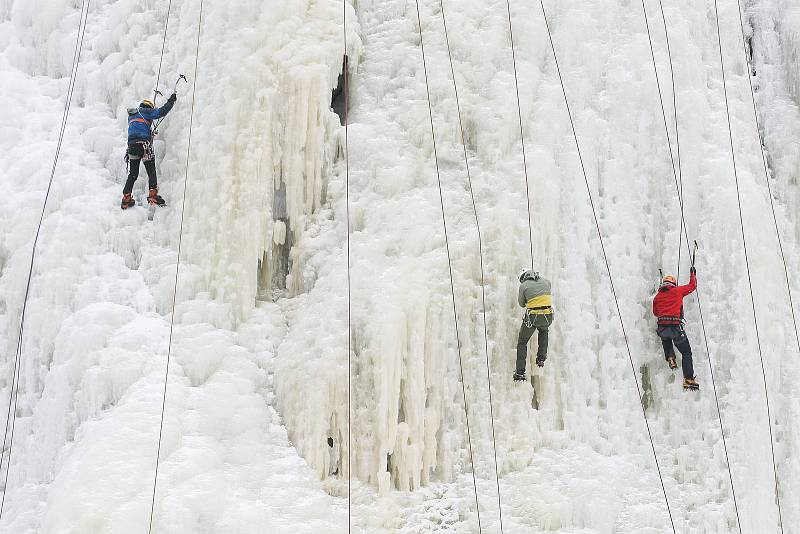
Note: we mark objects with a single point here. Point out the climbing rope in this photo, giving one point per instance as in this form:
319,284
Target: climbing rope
521,130
163,46
679,189
480,256
605,259
8,437
747,263
449,264
177,265
675,118
766,179
345,65
156,92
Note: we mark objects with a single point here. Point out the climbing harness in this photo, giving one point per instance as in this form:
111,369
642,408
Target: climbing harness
8,436
147,151
669,320
605,259
528,320
531,314
177,266
147,148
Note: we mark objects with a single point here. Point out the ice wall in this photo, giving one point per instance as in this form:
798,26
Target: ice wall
98,314
266,115
257,408
789,33
587,392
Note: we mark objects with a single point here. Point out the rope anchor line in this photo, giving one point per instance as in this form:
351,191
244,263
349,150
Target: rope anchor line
345,64
177,263
450,269
677,176
747,264
8,436
605,259
480,258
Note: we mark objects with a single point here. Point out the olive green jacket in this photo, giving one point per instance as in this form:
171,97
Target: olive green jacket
535,294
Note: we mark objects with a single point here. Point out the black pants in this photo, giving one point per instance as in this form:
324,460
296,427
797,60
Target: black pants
531,324
675,335
139,152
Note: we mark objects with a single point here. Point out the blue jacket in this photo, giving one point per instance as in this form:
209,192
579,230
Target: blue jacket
140,121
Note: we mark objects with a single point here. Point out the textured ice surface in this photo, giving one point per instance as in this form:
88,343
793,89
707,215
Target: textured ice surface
256,419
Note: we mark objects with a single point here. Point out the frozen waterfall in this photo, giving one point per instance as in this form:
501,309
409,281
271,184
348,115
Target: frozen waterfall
270,423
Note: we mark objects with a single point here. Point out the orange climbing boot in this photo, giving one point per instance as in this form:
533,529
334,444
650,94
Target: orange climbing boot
690,384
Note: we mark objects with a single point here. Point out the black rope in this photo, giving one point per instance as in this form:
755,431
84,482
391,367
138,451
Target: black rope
675,117
8,437
766,180
521,131
605,259
163,46
177,265
679,189
747,264
449,265
480,256
345,68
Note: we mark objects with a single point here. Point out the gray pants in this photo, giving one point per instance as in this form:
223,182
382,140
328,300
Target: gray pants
530,324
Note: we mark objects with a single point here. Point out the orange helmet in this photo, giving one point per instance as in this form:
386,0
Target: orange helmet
669,280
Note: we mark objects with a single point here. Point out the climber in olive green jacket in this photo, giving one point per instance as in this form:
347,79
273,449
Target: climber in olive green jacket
534,296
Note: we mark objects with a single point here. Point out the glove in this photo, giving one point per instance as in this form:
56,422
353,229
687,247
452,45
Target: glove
173,97
692,270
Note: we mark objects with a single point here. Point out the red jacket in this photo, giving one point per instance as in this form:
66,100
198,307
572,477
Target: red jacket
668,303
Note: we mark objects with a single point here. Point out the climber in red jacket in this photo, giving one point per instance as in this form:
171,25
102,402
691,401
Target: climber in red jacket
668,307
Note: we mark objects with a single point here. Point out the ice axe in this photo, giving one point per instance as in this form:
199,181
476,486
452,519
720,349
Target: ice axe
174,90
694,252
157,93
660,278
180,77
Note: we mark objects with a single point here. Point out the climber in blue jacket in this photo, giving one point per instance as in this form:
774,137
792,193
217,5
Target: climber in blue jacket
140,148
